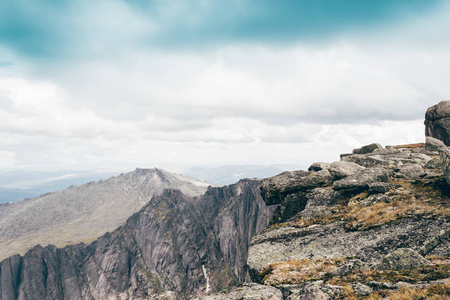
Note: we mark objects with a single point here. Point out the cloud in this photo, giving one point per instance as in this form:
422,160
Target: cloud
82,29
206,82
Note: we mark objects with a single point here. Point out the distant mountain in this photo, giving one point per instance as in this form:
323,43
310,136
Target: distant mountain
19,185
85,212
233,173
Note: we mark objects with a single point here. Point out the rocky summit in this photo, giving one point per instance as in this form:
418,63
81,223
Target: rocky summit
374,225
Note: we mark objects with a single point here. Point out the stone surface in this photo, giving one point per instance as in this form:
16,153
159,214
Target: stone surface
175,243
361,180
412,171
368,149
437,122
310,292
333,240
251,291
341,169
402,258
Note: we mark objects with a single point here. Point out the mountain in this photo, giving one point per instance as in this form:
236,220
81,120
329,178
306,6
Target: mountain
175,243
233,173
83,213
19,185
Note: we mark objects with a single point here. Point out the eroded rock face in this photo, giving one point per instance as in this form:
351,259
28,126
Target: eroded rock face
175,243
437,122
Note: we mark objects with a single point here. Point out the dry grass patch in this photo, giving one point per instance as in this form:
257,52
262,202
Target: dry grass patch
409,146
298,271
434,292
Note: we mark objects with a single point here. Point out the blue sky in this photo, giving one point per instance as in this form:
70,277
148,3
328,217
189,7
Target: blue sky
186,83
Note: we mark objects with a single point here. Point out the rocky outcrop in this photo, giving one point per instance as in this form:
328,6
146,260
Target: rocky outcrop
437,122
377,209
83,213
175,243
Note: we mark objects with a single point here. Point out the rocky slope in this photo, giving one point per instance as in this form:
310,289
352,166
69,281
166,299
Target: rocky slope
359,227
83,213
175,245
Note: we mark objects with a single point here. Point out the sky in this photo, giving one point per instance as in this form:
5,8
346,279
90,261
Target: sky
181,83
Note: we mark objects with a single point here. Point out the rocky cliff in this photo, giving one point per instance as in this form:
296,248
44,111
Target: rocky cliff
358,227
85,212
175,244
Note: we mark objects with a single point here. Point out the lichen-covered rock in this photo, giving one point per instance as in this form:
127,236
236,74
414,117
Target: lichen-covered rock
412,171
310,292
250,291
341,169
361,180
437,122
368,149
352,266
402,258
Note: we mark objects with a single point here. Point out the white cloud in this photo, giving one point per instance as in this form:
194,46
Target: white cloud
234,104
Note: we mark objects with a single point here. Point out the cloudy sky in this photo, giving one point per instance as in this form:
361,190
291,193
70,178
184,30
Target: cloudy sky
180,83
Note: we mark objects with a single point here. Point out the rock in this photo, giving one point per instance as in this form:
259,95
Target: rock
437,122
379,187
433,144
444,158
275,189
341,169
368,149
333,240
319,166
361,289
361,180
250,291
351,267
402,258
311,292
412,171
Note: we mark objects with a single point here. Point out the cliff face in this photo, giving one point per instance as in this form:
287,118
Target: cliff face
175,243
84,213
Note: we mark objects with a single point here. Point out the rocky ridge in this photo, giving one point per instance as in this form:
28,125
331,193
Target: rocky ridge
359,227
83,213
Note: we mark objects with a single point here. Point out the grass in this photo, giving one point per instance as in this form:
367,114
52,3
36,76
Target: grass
298,271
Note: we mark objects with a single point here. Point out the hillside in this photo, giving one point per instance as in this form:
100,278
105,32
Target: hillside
85,212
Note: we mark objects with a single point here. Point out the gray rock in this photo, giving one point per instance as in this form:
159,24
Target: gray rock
437,122
250,291
361,180
361,289
351,267
368,149
379,187
341,169
412,171
403,258
333,240
319,166
310,292
433,144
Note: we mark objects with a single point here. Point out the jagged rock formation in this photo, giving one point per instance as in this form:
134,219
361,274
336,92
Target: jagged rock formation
175,243
83,213
343,219
437,122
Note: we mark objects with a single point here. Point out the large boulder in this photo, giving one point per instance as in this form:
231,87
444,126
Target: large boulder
402,258
437,122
